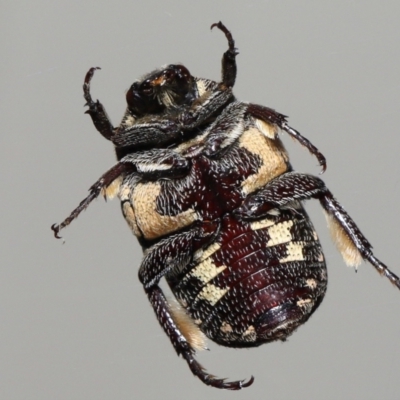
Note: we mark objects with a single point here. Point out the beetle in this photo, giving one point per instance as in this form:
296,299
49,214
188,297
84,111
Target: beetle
207,187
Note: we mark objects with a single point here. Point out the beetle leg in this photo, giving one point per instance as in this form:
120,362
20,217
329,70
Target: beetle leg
163,132
270,116
212,100
204,108
158,163
229,58
292,186
110,176
96,110
152,164
182,347
168,255
165,257
142,136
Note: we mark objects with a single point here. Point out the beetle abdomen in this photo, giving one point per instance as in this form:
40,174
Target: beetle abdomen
257,282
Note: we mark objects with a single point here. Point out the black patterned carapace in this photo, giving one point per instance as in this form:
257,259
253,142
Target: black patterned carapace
206,186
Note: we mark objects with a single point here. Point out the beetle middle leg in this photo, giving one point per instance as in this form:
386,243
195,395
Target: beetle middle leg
151,164
270,116
167,256
292,187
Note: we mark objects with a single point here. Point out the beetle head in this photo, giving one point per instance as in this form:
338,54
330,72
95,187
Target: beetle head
170,87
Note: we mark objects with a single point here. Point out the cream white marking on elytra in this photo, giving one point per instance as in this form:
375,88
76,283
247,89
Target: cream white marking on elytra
265,223
305,303
311,283
206,270
280,233
201,255
212,293
294,252
250,334
226,328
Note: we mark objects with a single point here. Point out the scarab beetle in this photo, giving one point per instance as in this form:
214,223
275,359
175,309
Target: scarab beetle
207,187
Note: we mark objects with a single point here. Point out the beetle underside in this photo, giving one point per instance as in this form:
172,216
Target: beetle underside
207,187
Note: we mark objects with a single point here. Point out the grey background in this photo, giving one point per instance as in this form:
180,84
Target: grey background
75,323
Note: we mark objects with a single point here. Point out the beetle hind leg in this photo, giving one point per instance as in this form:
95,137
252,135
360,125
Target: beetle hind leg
281,192
163,258
181,345
270,116
339,220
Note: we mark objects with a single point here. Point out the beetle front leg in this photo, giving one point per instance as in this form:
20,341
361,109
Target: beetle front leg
270,116
291,187
96,110
146,135
212,100
229,58
167,256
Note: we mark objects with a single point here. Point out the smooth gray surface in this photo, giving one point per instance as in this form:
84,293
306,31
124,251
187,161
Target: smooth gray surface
75,323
